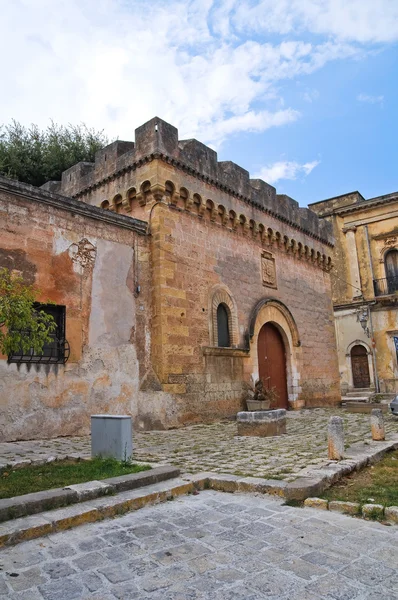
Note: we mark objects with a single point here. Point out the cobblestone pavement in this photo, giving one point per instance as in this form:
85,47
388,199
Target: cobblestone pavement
210,546
216,447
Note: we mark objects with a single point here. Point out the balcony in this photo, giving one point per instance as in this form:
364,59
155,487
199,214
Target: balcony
385,286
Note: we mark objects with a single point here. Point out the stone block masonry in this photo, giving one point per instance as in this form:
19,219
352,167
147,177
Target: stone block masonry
262,423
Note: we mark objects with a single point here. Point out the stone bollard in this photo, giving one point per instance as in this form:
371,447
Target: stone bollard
377,424
335,438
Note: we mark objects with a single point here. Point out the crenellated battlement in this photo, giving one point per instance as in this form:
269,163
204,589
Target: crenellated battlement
157,139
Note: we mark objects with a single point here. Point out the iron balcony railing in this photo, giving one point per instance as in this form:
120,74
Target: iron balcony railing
385,286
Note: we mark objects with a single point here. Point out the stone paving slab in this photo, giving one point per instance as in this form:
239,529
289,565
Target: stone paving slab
209,546
217,448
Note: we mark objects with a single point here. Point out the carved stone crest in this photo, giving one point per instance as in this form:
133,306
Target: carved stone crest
83,253
268,270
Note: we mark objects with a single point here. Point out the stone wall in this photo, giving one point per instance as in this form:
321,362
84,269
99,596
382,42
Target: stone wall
107,322
194,258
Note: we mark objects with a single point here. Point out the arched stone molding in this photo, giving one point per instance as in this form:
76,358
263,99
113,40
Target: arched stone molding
273,302
349,363
270,310
390,245
220,294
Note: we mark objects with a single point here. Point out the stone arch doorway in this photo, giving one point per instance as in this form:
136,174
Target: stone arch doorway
273,311
272,362
360,367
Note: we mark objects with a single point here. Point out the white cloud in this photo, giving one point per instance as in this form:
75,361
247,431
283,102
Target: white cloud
285,170
363,21
113,64
310,96
370,99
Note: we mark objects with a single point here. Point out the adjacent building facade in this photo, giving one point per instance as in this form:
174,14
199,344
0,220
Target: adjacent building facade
365,289
178,282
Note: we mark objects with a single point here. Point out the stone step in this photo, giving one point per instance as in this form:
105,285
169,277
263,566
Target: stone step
348,399
31,527
38,502
357,393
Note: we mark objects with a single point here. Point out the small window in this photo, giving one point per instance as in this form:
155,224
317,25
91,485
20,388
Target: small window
396,346
223,326
54,352
391,265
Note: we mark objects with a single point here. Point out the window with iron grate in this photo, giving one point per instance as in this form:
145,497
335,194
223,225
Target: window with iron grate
56,351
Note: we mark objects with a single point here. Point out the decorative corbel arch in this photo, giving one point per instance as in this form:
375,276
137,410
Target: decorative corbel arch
283,309
220,294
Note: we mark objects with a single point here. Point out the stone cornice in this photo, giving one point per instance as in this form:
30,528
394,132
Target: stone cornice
360,206
182,166
30,192
220,351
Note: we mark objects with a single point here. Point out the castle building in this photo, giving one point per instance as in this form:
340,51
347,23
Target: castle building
178,282
365,289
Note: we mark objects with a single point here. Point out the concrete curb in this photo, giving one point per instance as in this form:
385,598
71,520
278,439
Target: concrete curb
38,502
367,511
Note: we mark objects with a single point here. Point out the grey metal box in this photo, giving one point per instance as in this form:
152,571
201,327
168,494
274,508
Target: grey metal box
111,435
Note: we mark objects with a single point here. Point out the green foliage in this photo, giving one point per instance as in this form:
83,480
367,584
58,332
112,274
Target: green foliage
376,484
22,327
34,156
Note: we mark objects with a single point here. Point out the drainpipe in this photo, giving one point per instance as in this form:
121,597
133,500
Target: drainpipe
377,383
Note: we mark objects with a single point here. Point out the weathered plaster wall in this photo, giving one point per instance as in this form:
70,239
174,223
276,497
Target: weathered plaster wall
107,327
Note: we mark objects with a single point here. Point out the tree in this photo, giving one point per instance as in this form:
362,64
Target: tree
34,156
22,326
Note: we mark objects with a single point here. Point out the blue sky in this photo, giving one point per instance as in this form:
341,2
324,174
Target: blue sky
302,93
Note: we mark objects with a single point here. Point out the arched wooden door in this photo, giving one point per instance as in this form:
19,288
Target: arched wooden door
272,362
360,367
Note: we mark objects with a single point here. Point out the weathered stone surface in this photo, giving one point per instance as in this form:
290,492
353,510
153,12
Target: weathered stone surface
371,511
303,487
377,424
135,480
221,546
391,514
262,423
349,508
90,489
336,438
302,452
29,504
316,503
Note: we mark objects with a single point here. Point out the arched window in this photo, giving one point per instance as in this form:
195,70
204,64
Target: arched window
223,326
223,318
391,266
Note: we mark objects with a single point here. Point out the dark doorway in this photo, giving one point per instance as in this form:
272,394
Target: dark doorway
360,367
272,362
